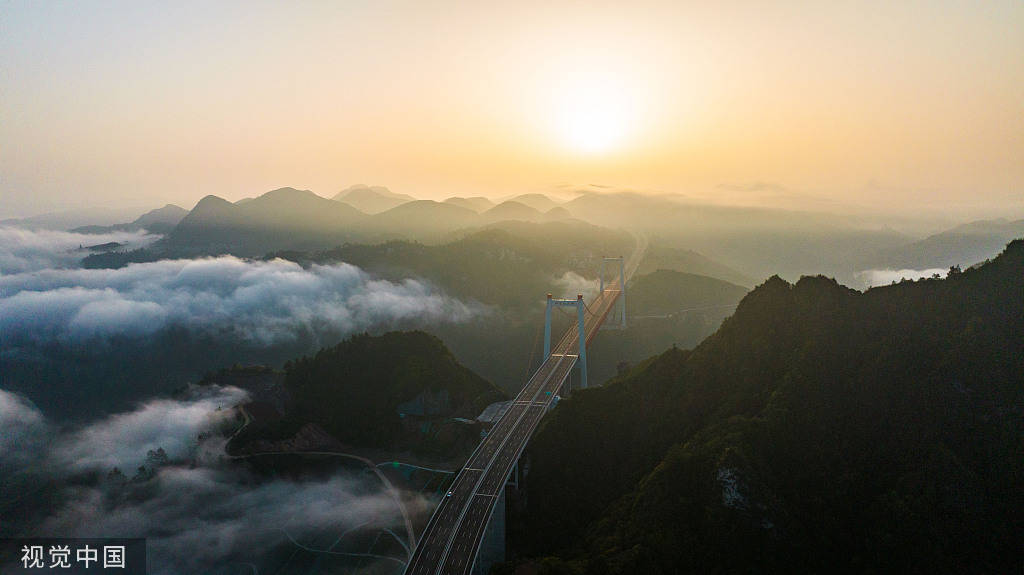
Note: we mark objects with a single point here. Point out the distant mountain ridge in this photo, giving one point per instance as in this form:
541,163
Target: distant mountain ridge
71,219
476,203
285,216
159,221
963,246
512,210
753,242
537,201
670,291
688,261
371,199
289,219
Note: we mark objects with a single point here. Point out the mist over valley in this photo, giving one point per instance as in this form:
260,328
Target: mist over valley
544,288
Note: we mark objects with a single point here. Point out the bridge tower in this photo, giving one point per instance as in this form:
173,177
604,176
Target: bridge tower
622,284
580,321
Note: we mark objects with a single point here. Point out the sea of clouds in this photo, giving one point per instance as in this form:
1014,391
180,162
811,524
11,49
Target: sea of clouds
200,510
23,250
44,297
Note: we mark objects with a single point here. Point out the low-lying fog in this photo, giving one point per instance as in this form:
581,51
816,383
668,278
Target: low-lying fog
154,325
197,509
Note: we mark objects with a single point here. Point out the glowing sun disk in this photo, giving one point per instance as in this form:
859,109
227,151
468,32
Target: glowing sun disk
593,119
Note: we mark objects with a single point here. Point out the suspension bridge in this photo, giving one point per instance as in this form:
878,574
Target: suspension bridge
450,543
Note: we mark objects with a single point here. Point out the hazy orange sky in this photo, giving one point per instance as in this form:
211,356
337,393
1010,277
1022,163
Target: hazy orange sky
895,105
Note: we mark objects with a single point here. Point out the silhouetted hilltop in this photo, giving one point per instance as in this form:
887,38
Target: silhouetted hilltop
278,219
511,210
539,202
557,213
424,218
371,199
158,221
662,257
477,203
670,291
211,210
821,429
168,215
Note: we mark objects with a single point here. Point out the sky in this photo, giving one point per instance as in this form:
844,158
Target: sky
898,106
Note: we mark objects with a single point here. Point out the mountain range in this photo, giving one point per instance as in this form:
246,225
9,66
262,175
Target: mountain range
283,216
371,199
290,219
820,429
747,242
477,203
962,246
158,221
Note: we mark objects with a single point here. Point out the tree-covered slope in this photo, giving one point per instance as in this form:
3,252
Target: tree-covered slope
659,257
512,264
354,389
820,429
669,291
665,308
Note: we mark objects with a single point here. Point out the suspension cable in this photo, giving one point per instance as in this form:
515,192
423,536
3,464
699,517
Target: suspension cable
533,350
563,312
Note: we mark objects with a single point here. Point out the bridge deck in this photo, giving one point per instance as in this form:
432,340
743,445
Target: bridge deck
451,540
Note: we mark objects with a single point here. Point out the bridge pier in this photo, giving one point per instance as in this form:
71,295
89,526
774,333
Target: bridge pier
622,285
467,532
581,321
580,329
492,546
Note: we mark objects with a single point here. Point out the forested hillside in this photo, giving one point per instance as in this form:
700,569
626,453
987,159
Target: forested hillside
820,429
354,389
511,264
665,292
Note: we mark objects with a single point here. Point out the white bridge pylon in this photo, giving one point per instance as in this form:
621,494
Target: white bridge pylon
581,310
622,284
580,317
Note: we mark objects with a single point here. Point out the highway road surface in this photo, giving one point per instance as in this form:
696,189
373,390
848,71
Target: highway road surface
451,540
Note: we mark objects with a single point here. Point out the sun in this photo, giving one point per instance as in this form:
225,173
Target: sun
593,117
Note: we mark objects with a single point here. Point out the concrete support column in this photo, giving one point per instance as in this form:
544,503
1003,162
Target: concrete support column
622,286
547,330
492,548
583,341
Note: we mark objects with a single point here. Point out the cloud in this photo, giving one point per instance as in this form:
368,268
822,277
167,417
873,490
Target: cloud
22,427
123,440
24,250
198,519
871,278
571,284
262,302
202,510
